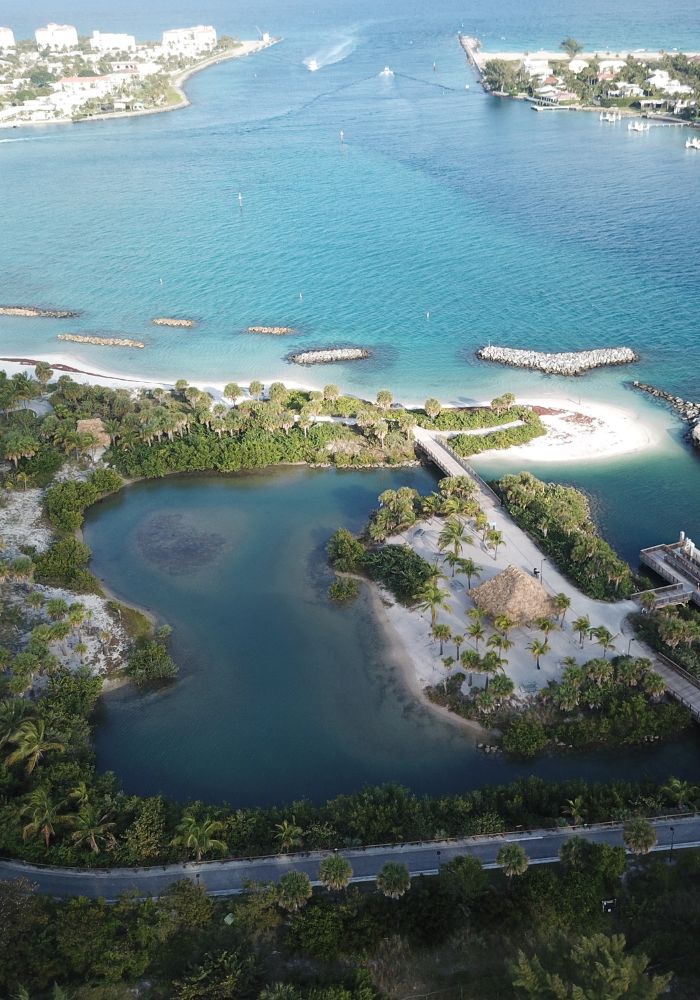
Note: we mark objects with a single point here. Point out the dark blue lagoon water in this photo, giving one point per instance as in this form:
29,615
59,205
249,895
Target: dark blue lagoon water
281,694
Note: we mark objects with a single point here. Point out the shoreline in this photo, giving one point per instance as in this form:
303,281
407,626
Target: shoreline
245,48
407,664
578,430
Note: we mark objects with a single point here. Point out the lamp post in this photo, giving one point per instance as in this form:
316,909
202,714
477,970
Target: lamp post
438,862
542,562
670,853
629,645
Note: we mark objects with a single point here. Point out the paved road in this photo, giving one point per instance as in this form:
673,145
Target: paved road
226,878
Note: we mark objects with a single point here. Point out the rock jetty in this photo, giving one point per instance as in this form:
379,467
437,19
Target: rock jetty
273,331
686,410
33,312
168,321
330,355
565,363
101,341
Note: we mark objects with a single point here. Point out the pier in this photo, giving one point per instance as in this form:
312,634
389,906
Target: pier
471,46
679,563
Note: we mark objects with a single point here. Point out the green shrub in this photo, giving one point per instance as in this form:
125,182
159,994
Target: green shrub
345,552
65,503
150,663
526,737
343,590
64,564
400,569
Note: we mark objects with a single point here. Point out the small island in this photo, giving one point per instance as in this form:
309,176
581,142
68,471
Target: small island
187,324
34,312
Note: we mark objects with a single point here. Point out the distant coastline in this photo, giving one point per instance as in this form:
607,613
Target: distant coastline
244,48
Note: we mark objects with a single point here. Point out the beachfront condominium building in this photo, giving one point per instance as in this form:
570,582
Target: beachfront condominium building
7,38
111,42
189,41
57,36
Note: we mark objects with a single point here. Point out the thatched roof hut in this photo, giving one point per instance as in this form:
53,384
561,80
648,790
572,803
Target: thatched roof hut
513,593
95,427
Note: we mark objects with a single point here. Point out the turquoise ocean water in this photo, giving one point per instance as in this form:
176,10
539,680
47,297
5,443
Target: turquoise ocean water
549,230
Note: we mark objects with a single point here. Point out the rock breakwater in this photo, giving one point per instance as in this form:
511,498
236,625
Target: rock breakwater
34,312
101,341
330,355
273,331
685,408
564,363
168,321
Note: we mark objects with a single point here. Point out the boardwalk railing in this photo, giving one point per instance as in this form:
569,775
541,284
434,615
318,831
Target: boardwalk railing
432,449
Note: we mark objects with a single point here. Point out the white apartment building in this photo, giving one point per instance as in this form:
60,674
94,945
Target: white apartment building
189,41
112,42
537,66
56,36
7,38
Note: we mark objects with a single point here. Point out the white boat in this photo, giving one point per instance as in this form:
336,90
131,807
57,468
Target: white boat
638,127
692,143
609,116
387,72
312,65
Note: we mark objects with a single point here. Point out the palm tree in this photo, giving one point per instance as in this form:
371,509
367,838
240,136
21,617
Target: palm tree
471,661
43,814
442,633
513,860
502,687
494,539
639,835
393,880
448,663
545,625
433,598
335,872
288,835
477,631
604,638
562,603
470,569
199,835
92,828
679,792
31,744
499,642
452,561
575,809
293,891
13,711
538,648
503,623
582,625
458,640
453,536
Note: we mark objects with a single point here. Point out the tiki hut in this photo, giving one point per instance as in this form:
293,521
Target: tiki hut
513,593
95,427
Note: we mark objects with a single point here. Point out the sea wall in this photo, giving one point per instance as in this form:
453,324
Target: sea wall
329,355
273,331
34,311
565,363
685,408
168,321
101,341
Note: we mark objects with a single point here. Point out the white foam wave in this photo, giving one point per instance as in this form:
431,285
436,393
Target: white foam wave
330,54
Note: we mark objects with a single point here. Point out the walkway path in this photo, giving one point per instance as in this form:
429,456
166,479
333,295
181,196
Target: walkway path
226,878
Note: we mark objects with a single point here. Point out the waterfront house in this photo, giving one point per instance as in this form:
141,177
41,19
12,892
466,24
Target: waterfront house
56,36
611,65
578,65
534,66
112,42
189,41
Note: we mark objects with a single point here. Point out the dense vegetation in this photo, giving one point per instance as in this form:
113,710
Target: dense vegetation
674,632
530,428
466,933
602,702
558,518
